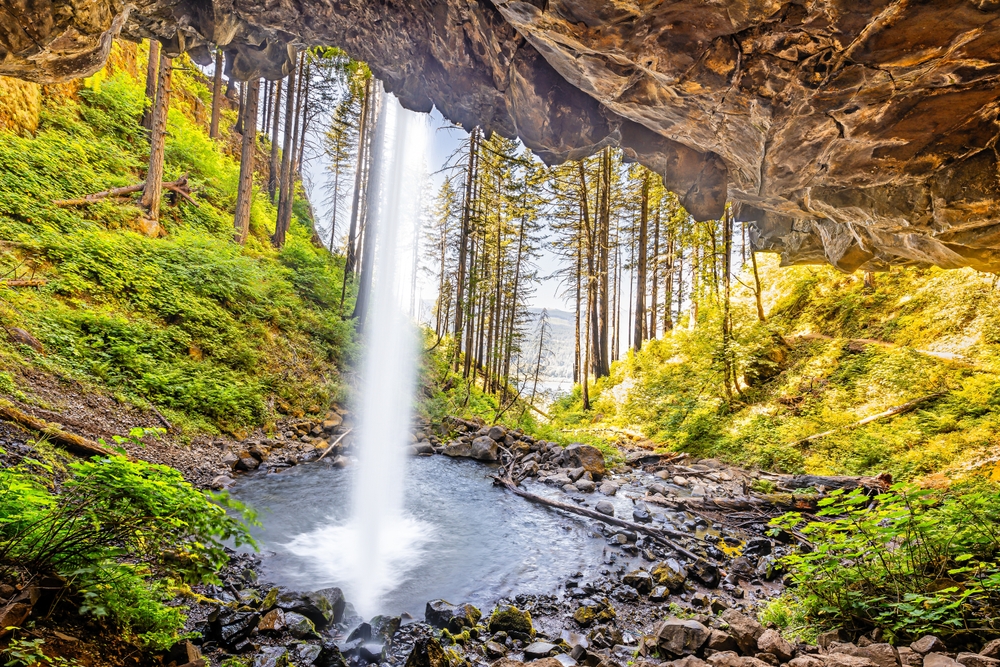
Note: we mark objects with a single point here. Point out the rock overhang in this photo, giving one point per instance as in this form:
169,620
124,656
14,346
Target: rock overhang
861,135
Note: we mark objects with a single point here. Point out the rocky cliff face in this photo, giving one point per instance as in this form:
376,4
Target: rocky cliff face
859,134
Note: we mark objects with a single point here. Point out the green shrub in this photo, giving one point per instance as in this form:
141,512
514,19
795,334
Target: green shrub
122,533
910,562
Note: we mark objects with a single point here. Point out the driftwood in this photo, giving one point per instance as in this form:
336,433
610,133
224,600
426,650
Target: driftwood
879,483
334,444
70,441
22,283
781,501
178,187
661,535
891,412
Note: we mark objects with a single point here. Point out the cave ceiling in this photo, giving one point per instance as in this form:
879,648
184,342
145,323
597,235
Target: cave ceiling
859,134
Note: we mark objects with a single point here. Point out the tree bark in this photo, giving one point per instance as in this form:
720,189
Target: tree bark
285,178
756,288
273,167
695,285
152,68
463,241
287,199
213,129
244,195
602,364
359,177
153,191
373,194
639,335
300,153
655,278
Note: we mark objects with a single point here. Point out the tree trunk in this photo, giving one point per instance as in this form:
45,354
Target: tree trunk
668,285
244,195
463,240
576,330
285,178
695,286
371,224
273,165
727,324
300,154
153,191
359,177
639,334
213,128
287,199
655,279
591,234
241,89
756,287
152,69
604,369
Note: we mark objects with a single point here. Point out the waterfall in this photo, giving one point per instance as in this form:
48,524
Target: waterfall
372,553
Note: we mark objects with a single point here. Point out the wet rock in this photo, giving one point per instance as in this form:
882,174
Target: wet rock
271,656
706,573
625,594
757,547
587,457
221,482
671,574
299,626
720,641
585,485
928,644
640,580
306,654
575,473
641,516
680,637
605,507
608,488
443,614
939,660
423,448
845,660
246,462
659,594
494,649
991,649
427,652
484,449
539,650
772,642
341,462
458,448
976,660
231,630
513,621
659,489
745,630
272,621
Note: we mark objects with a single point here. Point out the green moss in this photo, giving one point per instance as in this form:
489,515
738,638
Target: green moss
510,619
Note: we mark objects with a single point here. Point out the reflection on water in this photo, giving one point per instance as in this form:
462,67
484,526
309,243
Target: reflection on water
465,539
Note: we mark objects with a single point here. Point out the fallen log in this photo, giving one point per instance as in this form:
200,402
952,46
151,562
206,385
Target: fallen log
662,535
779,501
891,412
70,441
334,444
178,187
22,283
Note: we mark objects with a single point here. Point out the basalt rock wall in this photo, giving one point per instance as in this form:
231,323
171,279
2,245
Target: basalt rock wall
860,134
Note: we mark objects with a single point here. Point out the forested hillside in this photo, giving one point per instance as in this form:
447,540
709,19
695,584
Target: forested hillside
213,333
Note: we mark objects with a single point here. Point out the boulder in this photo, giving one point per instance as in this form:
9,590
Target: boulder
731,659
671,574
272,621
845,660
940,660
330,656
306,654
299,626
928,644
497,433
882,654
605,507
271,656
976,660
322,607
576,473
641,515
908,657
427,652
458,448
585,485
745,630
443,614
805,661
772,642
539,650
513,621
233,629
484,449
991,649
12,615
688,661
495,650
719,640
608,488
640,580
659,594
680,637
246,462
588,457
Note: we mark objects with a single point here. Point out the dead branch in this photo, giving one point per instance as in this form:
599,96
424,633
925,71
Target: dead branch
334,444
179,187
891,412
74,443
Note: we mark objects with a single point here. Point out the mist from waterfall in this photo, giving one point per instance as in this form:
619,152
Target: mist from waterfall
371,554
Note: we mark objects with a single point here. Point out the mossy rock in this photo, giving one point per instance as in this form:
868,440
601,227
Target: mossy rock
513,621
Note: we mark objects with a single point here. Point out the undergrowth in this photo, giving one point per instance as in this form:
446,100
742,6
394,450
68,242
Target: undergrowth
216,335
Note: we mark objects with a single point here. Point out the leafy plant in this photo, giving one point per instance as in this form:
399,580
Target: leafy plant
28,652
911,561
121,532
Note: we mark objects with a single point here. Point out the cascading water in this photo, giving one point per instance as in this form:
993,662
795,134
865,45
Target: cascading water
372,553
